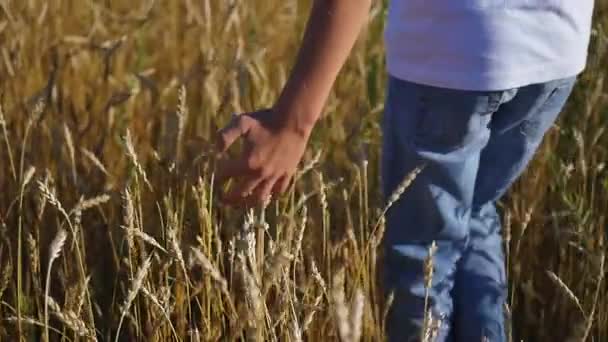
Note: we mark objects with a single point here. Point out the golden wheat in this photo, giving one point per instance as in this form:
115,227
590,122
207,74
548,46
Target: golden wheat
110,108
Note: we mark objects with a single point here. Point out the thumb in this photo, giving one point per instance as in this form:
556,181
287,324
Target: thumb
229,134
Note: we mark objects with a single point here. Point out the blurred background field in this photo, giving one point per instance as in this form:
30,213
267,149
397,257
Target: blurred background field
109,224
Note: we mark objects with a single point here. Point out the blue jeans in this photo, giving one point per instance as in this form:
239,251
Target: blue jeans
474,145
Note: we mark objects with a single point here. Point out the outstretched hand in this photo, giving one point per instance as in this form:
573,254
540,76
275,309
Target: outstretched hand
274,140
270,157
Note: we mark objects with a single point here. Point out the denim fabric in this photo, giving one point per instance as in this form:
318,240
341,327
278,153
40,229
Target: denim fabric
474,144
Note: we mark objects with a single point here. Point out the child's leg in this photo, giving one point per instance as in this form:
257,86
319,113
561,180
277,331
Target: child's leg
446,131
517,130
481,286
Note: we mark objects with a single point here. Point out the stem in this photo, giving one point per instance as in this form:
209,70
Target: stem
8,145
47,286
20,228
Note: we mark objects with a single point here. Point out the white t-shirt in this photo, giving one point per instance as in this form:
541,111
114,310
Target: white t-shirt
487,44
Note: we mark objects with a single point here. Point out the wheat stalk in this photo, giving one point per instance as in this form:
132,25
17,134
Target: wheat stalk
32,321
390,299
394,197
301,229
86,204
200,259
405,183
430,322
274,266
7,143
296,331
310,316
182,115
82,295
318,277
310,165
136,285
7,272
341,311
29,174
379,235
174,243
129,219
322,192
596,295
94,160
524,226
71,150
254,300
431,327
356,316
55,249
149,239
134,159
70,319
48,179
164,312
50,197
34,263
557,280
35,115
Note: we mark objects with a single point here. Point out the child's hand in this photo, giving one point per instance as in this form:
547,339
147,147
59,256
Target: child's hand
270,156
275,139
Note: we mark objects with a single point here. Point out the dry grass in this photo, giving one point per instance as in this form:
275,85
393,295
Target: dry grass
109,107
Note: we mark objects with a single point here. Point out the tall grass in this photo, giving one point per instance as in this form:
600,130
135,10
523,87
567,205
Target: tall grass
110,107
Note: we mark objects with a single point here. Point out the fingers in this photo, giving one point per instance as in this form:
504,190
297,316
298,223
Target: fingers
232,168
260,169
242,190
262,192
238,126
281,185
253,190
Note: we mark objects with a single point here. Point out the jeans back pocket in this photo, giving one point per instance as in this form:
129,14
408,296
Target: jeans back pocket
448,120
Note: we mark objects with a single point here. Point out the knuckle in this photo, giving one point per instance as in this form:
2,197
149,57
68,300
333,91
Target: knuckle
223,137
245,121
252,163
265,172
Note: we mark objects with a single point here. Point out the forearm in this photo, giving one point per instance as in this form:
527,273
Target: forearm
331,32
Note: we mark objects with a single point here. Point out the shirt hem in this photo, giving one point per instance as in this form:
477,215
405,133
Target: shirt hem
492,81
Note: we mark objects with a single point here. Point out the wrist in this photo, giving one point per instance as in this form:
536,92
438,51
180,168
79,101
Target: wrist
299,119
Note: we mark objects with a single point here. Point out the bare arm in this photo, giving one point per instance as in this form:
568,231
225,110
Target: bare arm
331,32
275,139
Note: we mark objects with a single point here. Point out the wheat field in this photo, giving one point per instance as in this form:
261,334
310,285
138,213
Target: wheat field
110,224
